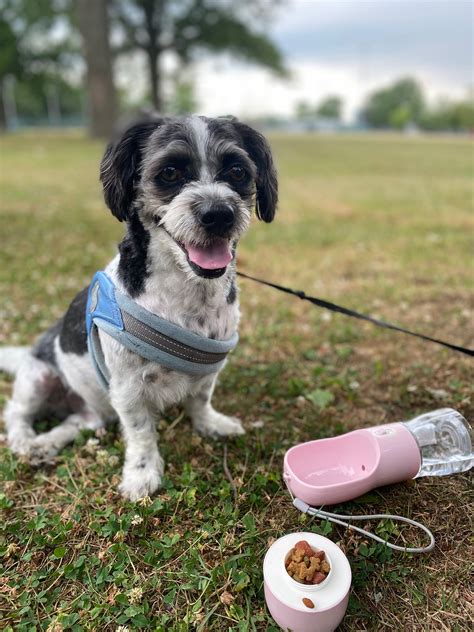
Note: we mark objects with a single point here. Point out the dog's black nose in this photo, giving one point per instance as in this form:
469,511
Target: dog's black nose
217,219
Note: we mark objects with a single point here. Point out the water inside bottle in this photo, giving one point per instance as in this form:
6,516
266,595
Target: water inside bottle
444,439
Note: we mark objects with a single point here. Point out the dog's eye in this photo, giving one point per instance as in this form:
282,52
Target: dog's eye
236,173
171,174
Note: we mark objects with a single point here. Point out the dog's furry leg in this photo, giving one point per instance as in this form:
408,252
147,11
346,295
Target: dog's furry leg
207,421
143,468
48,444
32,386
11,358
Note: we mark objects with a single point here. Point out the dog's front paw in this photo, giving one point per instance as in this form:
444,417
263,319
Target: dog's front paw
139,481
217,425
42,450
20,442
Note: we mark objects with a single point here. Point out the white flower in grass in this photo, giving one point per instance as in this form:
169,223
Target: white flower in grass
102,457
135,595
136,520
11,549
91,445
122,628
146,501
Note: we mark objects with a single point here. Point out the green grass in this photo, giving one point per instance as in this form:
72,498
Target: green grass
383,224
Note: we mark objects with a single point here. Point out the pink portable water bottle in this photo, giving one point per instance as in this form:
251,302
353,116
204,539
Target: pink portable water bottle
330,471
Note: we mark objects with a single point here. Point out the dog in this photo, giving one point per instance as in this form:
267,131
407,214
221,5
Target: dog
186,189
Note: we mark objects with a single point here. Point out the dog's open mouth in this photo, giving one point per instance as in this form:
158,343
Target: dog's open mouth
208,260
213,256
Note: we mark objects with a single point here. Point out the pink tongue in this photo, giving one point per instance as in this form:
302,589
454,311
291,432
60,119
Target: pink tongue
212,257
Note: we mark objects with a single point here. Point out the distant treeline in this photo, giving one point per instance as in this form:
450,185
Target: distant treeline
398,106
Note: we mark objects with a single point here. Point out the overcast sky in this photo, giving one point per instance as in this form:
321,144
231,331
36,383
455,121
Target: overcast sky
347,47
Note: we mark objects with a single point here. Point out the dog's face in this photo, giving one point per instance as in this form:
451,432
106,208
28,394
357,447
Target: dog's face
195,181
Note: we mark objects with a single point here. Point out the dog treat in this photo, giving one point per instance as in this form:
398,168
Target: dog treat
307,566
308,603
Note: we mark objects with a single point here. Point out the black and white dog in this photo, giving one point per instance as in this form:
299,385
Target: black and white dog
186,189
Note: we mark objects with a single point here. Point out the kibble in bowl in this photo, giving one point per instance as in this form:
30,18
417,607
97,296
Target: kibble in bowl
306,565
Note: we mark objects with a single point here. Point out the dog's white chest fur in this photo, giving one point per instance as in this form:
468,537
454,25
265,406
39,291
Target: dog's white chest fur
198,306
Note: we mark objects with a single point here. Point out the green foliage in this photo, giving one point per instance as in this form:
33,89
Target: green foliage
192,27
330,107
31,40
36,53
455,116
396,105
304,110
403,103
218,27
10,56
320,398
31,96
400,117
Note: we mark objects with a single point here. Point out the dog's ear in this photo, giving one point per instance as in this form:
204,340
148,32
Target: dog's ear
119,169
259,151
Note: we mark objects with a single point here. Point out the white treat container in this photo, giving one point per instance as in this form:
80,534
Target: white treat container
284,595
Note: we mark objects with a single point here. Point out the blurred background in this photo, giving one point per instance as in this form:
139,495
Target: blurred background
296,65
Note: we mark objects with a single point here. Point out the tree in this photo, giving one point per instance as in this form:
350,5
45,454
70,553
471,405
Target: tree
304,111
186,27
93,24
401,103
32,49
10,63
330,107
450,116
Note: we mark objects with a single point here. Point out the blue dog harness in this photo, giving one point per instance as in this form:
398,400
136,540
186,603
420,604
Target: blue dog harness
146,334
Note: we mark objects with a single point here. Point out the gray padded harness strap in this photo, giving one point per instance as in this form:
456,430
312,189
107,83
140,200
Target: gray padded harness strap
148,335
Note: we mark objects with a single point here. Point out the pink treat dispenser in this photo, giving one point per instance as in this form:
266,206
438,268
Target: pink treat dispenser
306,608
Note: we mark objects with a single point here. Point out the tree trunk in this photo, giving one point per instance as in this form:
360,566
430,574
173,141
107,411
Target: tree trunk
3,117
102,102
153,11
153,60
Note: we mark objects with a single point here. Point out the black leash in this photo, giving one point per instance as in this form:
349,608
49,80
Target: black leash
350,312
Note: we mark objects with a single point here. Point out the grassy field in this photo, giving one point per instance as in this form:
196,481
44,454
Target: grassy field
382,224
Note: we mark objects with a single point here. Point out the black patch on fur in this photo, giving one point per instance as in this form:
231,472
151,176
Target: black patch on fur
120,167
259,151
232,295
44,347
73,335
133,265
185,162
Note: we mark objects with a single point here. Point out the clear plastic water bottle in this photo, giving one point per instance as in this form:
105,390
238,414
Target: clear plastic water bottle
444,440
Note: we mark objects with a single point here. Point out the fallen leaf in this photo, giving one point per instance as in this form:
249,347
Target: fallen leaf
227,598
